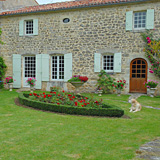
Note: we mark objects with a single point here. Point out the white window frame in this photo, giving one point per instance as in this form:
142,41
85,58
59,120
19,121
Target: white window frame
30,63
25,30
139,28
103,62
58,55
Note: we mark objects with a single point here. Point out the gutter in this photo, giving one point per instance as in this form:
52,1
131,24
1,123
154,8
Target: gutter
77,7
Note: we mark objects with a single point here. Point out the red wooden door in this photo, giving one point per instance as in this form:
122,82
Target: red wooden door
138,75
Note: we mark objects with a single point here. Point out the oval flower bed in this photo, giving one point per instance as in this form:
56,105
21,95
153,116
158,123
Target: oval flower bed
70,104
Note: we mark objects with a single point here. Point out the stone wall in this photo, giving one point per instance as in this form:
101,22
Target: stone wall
89,31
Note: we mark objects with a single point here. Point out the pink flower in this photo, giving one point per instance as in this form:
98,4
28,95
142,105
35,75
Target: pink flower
151,71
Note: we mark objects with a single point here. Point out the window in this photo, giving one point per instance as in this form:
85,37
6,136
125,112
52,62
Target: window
29,66
29,27
66,20
139,20
58,67
108,63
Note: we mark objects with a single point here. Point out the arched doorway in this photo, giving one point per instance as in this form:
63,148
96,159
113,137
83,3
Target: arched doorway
138,75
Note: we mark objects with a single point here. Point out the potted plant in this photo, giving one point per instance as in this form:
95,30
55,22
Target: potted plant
151,85
31,81
119,85
78,80
9,81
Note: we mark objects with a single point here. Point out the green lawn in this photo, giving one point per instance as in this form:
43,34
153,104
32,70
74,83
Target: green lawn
27,134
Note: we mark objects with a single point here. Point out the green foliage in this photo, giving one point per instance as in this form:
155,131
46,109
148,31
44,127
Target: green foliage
0,37
152,52
106,110
2,71
105,82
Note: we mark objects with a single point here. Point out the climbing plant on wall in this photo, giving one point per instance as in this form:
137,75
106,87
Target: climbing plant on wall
152,52
0,37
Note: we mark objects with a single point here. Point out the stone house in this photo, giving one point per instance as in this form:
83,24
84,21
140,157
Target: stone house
55,41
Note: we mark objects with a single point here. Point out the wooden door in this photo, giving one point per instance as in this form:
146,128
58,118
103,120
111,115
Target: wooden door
138,75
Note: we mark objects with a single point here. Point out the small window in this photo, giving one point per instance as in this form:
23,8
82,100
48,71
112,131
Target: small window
29,27
66,20
108,63
139,20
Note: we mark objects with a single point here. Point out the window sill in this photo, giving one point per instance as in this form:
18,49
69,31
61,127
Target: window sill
138,30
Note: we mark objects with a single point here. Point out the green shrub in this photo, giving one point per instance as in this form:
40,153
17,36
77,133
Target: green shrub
2,71
105,82
106,110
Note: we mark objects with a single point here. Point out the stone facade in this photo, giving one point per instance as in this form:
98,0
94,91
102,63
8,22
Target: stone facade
91,30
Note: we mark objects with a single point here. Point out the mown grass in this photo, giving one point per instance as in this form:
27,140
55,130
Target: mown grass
35,135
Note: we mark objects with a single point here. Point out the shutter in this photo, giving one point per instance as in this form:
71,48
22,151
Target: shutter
67,66
97,62
38,71
117,62
45,67
17,70
129,20
21,28
150,19
35,27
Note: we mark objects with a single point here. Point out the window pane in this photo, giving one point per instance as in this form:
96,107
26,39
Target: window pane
58,67
30,67
108,62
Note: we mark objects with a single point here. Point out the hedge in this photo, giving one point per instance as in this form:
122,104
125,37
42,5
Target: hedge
106,110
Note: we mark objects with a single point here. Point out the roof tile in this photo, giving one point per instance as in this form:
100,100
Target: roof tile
65,5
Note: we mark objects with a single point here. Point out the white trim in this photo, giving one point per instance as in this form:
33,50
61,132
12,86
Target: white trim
57,68
107,54
142,28
25,27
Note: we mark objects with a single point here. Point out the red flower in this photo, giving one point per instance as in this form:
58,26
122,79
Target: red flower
120,80
83,78
69,95
85,104
58,94
75,103
96,102
121,85
115,86
43,93
54,92
112,84
63,91
82,105
30,94
73,97
58,103
86,97
44,96
70,99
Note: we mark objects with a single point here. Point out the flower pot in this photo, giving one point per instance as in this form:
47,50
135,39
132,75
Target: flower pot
152,91
10,86
118,92
100,92
31,88
77,84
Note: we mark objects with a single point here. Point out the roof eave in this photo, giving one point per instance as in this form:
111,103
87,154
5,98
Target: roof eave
77,7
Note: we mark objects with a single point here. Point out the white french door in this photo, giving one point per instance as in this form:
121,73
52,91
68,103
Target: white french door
29,69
